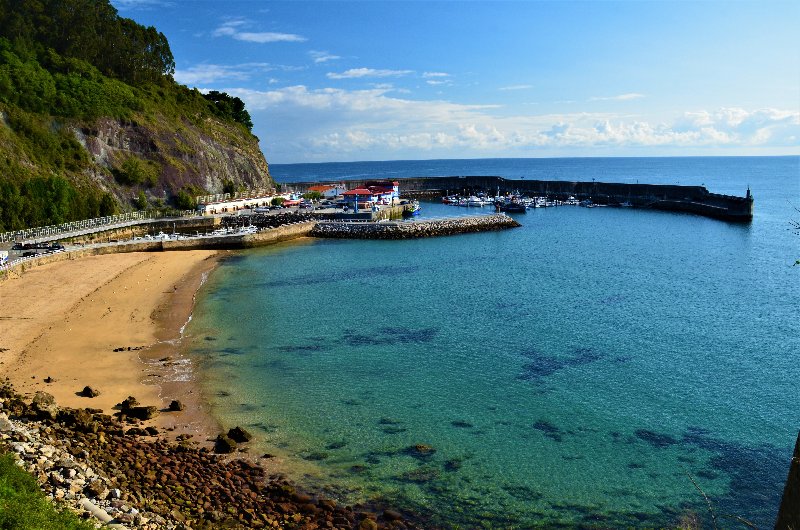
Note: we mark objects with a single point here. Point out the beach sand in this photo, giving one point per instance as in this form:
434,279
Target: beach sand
63,320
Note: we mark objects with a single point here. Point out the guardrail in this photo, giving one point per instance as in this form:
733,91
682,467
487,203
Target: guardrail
90,224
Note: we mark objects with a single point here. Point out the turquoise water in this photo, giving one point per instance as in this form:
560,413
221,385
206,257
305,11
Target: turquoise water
575,371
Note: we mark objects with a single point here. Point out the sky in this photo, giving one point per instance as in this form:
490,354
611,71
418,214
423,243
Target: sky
380,80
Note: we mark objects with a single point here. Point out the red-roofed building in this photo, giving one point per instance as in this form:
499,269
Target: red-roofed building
329,191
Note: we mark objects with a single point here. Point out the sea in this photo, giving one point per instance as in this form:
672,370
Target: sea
598,368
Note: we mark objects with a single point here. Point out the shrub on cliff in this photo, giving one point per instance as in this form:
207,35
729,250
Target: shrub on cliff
24,506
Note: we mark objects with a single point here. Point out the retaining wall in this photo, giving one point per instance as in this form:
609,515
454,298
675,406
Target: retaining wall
268,236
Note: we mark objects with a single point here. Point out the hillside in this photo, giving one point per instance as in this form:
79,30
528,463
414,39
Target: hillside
86,134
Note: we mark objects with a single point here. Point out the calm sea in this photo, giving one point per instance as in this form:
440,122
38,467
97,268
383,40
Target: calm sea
595,367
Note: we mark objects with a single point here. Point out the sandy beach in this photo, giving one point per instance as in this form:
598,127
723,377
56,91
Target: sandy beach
64,320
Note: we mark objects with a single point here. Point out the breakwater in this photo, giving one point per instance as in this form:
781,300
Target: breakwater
413,229
690,199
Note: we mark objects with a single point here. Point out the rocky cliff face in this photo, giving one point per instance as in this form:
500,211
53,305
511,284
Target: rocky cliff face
184,154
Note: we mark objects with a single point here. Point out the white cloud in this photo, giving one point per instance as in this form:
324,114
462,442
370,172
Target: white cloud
123,5
516,87
322,57
336,124
233,28
621,97
428,75
355,73
214,73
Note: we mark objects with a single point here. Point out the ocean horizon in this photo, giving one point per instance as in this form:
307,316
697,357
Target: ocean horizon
588,368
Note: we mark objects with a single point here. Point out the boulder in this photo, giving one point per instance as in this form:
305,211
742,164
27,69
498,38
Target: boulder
176,406
143,412
224,444
128,404
5,424
239,435
79,419
95,489
89,392
44,406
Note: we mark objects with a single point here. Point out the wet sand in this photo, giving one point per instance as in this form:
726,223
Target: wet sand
64,320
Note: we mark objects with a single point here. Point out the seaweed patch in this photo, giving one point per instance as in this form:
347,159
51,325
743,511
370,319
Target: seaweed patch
655,439
549,430
543,365
390,335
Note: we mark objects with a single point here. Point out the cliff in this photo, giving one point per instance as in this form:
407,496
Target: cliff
201,157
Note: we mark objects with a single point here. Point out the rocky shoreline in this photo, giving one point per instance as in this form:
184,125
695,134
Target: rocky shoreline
126,474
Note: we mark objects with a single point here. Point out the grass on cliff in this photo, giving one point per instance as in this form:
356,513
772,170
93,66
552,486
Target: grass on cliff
24,507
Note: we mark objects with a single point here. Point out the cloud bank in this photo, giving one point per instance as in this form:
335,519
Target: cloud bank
336,124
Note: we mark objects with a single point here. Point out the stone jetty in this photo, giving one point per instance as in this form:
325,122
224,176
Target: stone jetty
413,229
125,476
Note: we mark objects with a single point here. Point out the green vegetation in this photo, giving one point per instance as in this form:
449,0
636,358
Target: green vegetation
24,507
141,201
185,201
90,31
42,201
64,64
231,108
312,195
277,201
135,171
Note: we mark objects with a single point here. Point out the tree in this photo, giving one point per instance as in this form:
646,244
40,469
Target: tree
184,201
141,201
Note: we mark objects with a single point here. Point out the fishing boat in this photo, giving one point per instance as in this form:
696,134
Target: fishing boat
511,206
411,209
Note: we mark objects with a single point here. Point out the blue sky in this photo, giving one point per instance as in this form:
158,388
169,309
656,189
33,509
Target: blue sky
375,80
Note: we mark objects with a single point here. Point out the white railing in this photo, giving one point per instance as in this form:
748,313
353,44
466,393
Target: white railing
86,225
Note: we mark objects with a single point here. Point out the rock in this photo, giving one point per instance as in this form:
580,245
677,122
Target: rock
79,419
128,404
391,515
95,489
152,431
239,435
176,406
5,424
368,524
44,405
142,413
224,444
89,392
49,380
114,493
